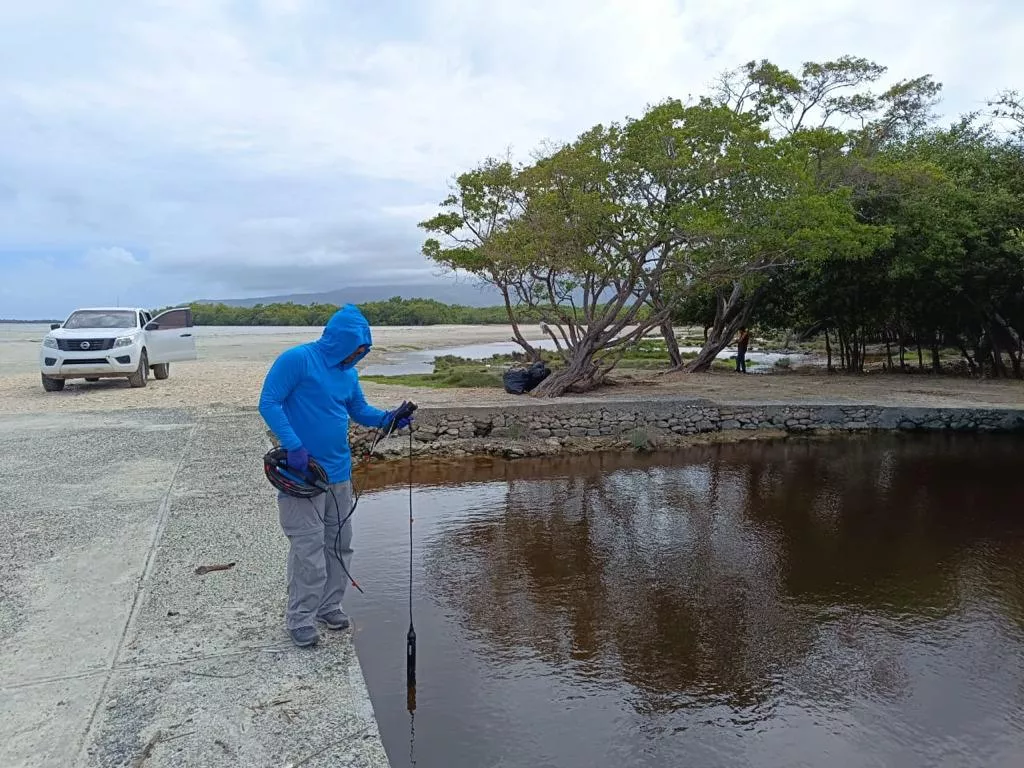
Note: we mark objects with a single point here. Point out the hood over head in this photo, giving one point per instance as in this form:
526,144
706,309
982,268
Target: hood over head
345,331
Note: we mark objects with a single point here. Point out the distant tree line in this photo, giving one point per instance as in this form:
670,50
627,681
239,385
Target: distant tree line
394,311
810,202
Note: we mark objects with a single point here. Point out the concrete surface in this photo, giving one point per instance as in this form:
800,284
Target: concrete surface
113,652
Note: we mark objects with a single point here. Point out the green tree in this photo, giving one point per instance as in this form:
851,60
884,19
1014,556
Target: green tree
585,235
564,238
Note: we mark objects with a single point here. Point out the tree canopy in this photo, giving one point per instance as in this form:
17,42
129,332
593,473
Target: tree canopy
811,200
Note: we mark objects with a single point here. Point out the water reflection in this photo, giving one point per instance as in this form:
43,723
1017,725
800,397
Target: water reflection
861,597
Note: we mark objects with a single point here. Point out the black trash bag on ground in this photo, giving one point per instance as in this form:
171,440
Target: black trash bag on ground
518,381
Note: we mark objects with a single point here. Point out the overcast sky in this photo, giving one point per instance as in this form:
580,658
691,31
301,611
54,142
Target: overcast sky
156,151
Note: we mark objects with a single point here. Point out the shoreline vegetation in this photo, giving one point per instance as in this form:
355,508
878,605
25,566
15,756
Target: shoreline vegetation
648,356
396,311
820,200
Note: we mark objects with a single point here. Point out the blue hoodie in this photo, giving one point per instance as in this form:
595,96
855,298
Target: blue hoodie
309,396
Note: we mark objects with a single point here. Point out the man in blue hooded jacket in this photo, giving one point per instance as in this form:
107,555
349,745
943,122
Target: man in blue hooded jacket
309,395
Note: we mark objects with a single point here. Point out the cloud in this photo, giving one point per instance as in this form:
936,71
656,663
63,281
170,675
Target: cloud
107,258
294,144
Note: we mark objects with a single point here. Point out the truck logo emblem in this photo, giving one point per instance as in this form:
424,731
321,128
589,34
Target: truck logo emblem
85,345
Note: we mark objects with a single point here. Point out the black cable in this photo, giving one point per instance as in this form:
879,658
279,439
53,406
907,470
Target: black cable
410,528
378,433
337,539
410,642
316,482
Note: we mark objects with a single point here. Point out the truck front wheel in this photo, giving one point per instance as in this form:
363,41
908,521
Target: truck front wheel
162,370
141,375
52,385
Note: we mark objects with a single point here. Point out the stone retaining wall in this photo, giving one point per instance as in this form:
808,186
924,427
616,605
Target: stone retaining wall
648,421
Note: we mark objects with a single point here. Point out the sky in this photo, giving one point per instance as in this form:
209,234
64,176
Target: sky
159,151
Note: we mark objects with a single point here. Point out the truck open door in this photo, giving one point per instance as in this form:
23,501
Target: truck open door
170,337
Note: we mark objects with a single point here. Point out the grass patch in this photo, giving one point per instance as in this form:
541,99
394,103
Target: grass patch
451,372
455,378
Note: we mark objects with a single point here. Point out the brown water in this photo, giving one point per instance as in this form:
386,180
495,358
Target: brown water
854,602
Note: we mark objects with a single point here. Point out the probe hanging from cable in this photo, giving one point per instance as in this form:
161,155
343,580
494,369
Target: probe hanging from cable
410,641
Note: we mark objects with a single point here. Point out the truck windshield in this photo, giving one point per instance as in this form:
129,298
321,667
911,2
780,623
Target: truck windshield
101,319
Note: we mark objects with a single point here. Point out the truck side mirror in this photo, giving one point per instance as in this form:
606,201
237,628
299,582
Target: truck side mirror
54,326
152,326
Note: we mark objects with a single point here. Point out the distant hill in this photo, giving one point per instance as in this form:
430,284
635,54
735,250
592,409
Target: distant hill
464,294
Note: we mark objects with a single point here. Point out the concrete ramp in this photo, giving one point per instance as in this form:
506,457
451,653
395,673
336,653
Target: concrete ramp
115,652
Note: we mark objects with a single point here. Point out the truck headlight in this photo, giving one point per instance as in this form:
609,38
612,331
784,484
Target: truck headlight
124,341
49,341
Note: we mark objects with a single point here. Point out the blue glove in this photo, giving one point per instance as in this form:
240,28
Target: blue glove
298,460
400,418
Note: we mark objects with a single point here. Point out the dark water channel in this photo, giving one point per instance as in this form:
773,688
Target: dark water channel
854,602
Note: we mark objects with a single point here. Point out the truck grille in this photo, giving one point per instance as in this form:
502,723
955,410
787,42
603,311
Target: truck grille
86,361
75,345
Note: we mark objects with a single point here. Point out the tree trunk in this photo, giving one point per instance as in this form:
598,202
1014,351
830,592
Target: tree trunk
971,365
920,354
998,366
730,314
582,372
901,340
828,351
1011,340
674,355
936,361
532,353
888,349
579,375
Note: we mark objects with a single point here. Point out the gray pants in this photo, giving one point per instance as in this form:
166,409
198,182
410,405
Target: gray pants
316,581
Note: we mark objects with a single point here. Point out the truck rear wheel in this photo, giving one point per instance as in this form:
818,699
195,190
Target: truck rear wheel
52,385
162,370
141,375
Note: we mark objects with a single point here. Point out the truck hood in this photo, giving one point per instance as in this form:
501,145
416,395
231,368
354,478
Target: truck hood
91,333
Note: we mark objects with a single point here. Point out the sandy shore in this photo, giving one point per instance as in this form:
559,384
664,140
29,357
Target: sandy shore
233,362
230,369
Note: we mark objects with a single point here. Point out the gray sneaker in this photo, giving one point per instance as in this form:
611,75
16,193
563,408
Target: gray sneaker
336,619
304,636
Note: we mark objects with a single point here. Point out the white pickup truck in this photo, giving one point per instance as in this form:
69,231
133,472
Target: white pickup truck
101,342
